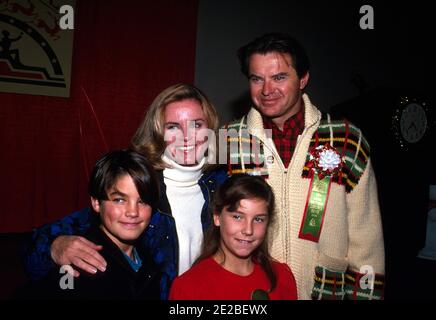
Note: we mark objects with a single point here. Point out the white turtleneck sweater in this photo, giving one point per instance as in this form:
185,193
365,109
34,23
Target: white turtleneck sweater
186,201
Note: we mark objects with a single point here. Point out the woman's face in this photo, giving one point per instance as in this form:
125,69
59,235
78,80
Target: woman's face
185,132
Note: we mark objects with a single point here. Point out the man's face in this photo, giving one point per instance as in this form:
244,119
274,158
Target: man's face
275,87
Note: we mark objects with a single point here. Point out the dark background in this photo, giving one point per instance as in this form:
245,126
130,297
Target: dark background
397,52
355,73
127,52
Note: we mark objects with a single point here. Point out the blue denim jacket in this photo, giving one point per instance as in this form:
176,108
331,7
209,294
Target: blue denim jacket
160,236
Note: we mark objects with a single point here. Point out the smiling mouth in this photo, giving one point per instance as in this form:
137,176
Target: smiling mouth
246,242
185,148
270,101
129,225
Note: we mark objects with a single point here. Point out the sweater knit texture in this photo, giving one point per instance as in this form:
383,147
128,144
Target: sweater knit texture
351,238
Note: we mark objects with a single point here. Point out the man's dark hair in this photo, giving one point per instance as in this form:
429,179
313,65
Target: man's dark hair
275,42
116,164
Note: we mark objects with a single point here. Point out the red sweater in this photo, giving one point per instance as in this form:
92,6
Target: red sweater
208,280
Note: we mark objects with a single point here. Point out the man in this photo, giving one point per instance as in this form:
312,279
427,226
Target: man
328,226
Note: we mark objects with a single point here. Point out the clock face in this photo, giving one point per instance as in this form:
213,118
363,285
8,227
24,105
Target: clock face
413,122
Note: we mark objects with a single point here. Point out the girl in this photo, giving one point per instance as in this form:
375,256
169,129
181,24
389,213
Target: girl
235,263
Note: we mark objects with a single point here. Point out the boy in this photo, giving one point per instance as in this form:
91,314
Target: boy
123,191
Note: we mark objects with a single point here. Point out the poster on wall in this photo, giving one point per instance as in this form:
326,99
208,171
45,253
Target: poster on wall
36,45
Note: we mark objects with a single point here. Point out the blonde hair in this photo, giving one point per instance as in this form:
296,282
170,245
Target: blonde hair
149,137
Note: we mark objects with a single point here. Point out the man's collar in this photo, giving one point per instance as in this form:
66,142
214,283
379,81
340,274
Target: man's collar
268,123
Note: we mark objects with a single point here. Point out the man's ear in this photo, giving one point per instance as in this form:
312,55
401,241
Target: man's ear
95,204
304,80
216,219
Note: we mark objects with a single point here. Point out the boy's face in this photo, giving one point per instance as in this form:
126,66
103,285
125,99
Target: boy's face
124,216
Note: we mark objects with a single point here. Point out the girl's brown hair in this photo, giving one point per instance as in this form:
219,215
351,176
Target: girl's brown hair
229,195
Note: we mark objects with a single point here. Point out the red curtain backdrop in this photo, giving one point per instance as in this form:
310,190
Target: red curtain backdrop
125,53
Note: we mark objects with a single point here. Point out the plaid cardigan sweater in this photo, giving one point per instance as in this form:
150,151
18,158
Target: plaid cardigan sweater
350,250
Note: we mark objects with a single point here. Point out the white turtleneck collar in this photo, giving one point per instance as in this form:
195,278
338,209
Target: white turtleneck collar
182,176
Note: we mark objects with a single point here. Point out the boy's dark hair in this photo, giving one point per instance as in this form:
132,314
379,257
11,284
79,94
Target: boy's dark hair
275,42
116,164
229,195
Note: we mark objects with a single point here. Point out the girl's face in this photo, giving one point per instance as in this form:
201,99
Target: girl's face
124,216
244,230
185,132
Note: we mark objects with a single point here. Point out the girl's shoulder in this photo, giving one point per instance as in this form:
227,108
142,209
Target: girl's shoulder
195,277
200,270
286,284
195,282
281,268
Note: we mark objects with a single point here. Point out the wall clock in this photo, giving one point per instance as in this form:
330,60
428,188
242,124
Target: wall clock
410,122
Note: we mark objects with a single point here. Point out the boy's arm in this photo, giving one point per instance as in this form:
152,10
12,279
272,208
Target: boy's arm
38,257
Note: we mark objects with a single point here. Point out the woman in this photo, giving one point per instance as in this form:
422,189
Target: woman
174,137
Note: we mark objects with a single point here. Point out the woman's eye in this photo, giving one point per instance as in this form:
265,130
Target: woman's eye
237,217
259,219
171,127
118,200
